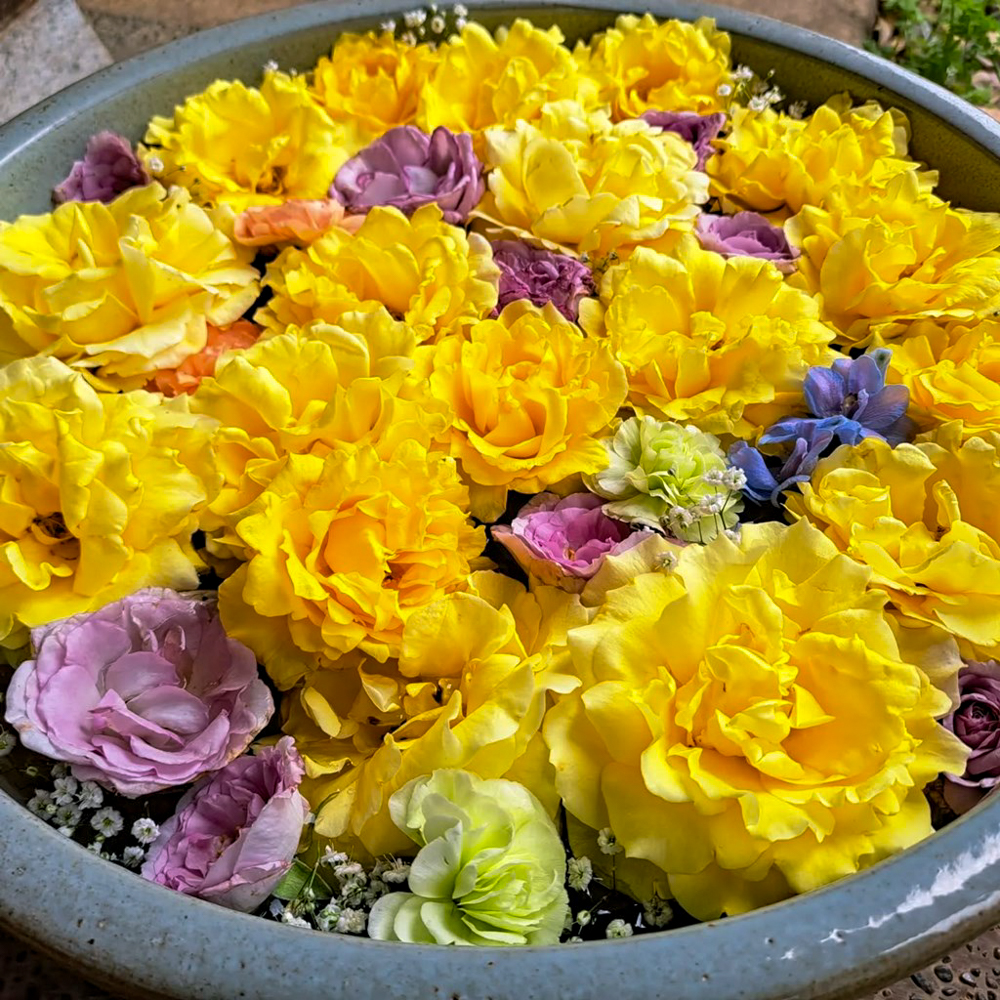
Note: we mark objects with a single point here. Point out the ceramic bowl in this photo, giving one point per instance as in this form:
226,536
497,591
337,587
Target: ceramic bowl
144,941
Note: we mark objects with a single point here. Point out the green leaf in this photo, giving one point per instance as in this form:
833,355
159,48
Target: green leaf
297,878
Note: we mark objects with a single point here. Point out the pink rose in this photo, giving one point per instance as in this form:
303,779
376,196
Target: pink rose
407,168
109,167
235,833
563,541
746,234
528,272
145,694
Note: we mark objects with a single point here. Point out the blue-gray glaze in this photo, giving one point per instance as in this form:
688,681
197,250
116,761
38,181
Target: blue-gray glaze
150,943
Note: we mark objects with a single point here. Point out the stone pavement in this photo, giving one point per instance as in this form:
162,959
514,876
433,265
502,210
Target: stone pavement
47,44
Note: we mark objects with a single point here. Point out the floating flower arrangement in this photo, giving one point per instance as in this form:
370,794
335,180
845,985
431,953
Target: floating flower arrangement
482,491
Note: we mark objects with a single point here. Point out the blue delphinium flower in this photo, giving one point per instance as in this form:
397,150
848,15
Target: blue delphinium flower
849,401
852,391
764,484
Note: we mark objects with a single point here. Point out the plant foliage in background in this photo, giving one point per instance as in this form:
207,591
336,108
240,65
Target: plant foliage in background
955,43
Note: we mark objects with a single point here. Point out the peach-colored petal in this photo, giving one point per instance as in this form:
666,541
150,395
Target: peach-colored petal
294,221
186,376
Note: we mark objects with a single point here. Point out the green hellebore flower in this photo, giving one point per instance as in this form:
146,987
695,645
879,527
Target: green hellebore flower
491,869
662,475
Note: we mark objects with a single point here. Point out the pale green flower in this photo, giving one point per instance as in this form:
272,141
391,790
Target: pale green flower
663,475
490,871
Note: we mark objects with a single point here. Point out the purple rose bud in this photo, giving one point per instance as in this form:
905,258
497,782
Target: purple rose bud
541,276
976,722
235,833
109,167
145,694
746,234
699,130
407,168
564,541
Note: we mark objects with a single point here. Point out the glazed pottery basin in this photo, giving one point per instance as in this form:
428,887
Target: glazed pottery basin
147,942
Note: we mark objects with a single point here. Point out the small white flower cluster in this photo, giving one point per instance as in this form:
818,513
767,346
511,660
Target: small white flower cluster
758,94
354,894
430,24
66,804
607,842
579,873
715,505
8,741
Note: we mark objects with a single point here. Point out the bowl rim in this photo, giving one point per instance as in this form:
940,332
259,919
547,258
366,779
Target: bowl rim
942,891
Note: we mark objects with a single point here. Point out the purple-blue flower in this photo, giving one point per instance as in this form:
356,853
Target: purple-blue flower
109,167
746,234
407,168
763,484
852,391
528,272
699,130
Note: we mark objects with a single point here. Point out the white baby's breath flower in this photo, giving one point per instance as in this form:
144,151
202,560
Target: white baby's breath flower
657,912
389,26
460,10
7,742
724,90
733,534
155,164
287,917
64,790
413,18
579,873
713,477
326,919
665,562
107,822
397,873
734,479
743,74
797,110
271,66
437,24
618,929
59,771
348,870
133,856
575,939
352,922
607,843
39,804
408,38
66,831
68,814
145,830
584,917
90,796
332,857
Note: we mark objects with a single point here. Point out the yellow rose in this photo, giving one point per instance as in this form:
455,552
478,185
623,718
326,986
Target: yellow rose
124,289
530,396
772,163
241,146
482,80
433,276
474,701
307,392
721,344
670,66
341,550
925,518
896,256
99,494
952,372
716,730
574,178
372,83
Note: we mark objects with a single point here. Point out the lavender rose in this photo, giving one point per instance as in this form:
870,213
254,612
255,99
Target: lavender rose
109,167
976,722
235,833
564,541
699,130
527,272
147,693
746,234
407,168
